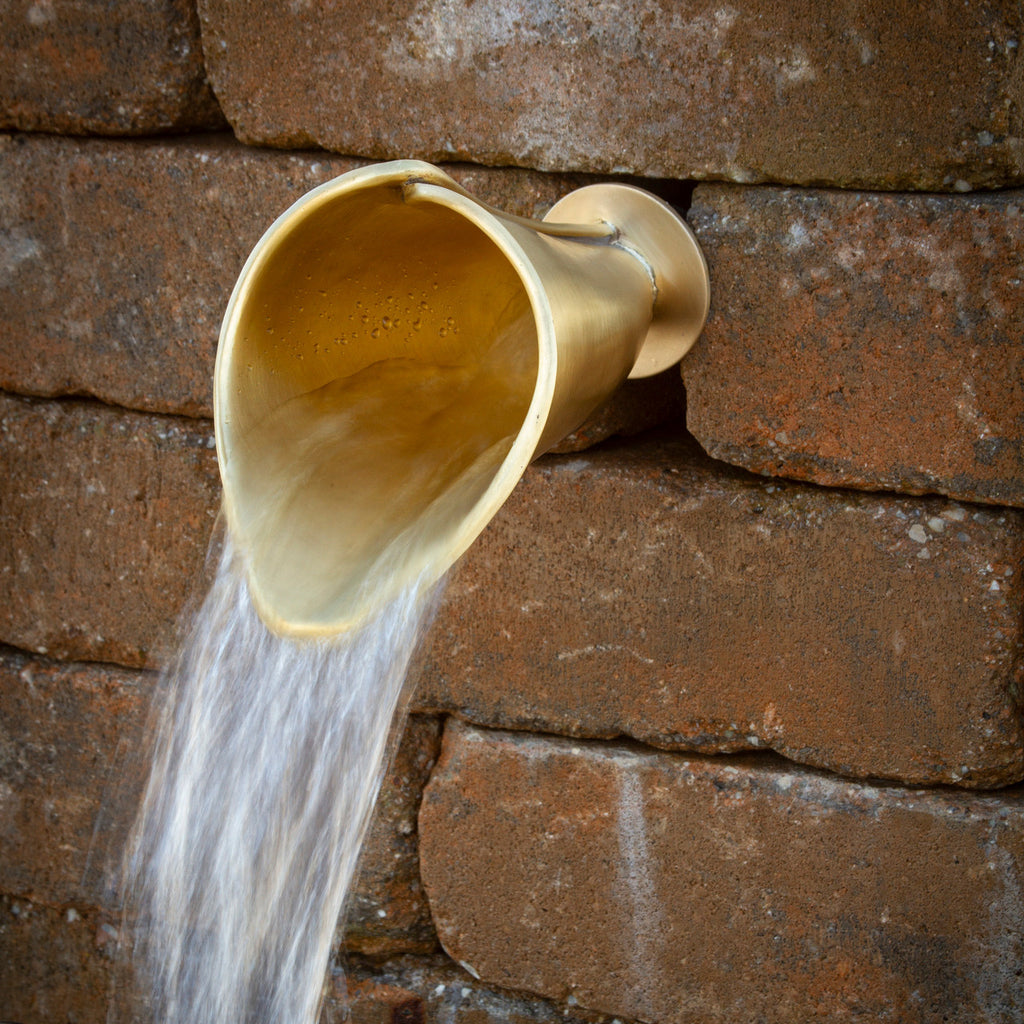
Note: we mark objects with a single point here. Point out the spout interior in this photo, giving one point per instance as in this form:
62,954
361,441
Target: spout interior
377,362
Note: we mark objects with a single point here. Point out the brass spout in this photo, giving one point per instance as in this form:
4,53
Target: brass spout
395,353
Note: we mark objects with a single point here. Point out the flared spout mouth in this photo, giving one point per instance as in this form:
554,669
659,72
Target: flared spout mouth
392,357
379,360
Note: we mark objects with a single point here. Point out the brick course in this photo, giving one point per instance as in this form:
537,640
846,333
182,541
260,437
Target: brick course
640,591
675,889
128,68
869,94
103,528
864,340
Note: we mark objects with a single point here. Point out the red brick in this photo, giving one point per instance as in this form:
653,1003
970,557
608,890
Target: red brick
864,340
127,68
869,94
675,889
56,964
103,528
69,744
122,256
645,591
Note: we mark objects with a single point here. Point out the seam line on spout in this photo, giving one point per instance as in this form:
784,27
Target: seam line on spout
619,243
601,231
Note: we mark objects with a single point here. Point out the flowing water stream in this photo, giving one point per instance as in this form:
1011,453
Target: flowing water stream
267,755
268,752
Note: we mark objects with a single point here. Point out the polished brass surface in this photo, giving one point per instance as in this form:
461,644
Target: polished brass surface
395,353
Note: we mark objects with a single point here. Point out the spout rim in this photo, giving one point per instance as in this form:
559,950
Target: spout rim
421,182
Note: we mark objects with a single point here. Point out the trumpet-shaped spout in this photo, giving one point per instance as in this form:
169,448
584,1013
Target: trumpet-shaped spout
395,353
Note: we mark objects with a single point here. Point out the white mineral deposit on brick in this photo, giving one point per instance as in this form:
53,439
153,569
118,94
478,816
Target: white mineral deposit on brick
267,755
643,908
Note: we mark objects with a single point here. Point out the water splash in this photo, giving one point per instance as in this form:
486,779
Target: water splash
267,755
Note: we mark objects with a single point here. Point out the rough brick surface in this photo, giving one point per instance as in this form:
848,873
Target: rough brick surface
69,739
119,258
863,339
104,525
56,963
126,68
674,889
867,94
107,517
645,591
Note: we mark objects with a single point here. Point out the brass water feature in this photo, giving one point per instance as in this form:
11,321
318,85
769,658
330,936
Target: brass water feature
394,355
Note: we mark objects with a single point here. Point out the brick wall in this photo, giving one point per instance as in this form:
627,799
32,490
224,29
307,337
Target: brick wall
720,720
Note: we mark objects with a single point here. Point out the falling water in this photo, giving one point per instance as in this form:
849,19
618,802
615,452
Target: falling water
266,760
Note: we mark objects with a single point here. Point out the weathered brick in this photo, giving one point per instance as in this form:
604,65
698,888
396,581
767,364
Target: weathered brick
69,743
136,324
121,256
56,964
105,523
865,94
104,526
676,889
864,340
648,592
127,68
642,591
